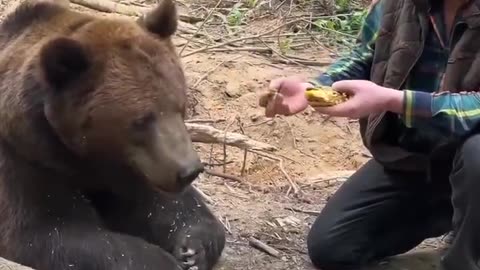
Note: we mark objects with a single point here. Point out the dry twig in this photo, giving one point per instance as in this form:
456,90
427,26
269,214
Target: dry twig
223,175
206,48
301,62
204,120
204,196
309,212
204,76
216,164
263,247
294,139
225,145
245,153
226,225
243,49
285,58
293,184
201,26
328,178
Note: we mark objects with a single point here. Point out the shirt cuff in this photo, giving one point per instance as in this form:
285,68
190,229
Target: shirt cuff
416,104
322,80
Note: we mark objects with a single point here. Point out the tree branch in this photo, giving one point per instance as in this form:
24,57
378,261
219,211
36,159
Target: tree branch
207,134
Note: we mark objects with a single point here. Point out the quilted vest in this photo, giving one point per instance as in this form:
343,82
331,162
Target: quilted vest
400,42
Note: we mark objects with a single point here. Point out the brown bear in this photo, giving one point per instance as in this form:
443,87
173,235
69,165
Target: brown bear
96,164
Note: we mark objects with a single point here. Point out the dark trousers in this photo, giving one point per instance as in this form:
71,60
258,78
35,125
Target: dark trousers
379,213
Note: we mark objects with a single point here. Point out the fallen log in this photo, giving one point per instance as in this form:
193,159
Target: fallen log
109,6
208,134
9,265
129,10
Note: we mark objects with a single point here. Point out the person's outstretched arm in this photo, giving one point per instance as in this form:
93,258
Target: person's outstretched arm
356,65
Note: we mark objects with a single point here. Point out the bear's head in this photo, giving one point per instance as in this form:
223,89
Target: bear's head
116,94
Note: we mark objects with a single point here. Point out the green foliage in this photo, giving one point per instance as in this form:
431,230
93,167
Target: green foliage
343,5
285,45
251,3
237,14
345,25
348,24
339,29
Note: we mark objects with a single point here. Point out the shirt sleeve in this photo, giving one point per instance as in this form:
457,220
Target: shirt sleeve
357,64
453,113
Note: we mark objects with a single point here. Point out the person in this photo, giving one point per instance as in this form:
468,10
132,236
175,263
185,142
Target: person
412,80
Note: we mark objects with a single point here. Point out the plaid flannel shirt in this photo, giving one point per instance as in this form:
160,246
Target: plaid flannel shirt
424,108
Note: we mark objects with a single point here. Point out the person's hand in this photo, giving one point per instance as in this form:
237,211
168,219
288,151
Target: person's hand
366,98
285,96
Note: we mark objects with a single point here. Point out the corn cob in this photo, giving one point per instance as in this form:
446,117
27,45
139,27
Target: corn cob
324,96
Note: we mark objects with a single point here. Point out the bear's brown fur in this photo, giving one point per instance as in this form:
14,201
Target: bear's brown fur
107,74
91,116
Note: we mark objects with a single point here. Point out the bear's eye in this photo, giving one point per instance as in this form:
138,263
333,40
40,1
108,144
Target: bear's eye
144,122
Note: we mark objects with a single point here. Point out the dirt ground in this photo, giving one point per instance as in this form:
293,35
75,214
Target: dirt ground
317,153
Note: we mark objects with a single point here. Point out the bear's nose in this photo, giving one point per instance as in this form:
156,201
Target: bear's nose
189,173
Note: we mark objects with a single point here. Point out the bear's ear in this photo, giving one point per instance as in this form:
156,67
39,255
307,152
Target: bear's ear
63,60
162,20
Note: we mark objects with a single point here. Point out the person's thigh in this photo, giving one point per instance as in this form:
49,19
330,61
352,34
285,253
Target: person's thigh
373,215
464,252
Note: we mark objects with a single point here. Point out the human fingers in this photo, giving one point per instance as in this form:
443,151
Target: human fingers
294,89
270,109
277,83
346,109
276,106
346,86
264,97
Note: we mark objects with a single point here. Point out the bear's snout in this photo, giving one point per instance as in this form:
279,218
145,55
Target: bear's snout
190,172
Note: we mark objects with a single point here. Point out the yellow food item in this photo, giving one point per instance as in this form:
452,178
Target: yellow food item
324,96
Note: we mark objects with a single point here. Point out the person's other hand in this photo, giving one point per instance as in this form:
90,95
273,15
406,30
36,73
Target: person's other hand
366,98
285,96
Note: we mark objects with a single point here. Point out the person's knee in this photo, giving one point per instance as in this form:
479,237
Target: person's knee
330,252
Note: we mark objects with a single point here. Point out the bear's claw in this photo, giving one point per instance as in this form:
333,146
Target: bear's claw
187,259
191,255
